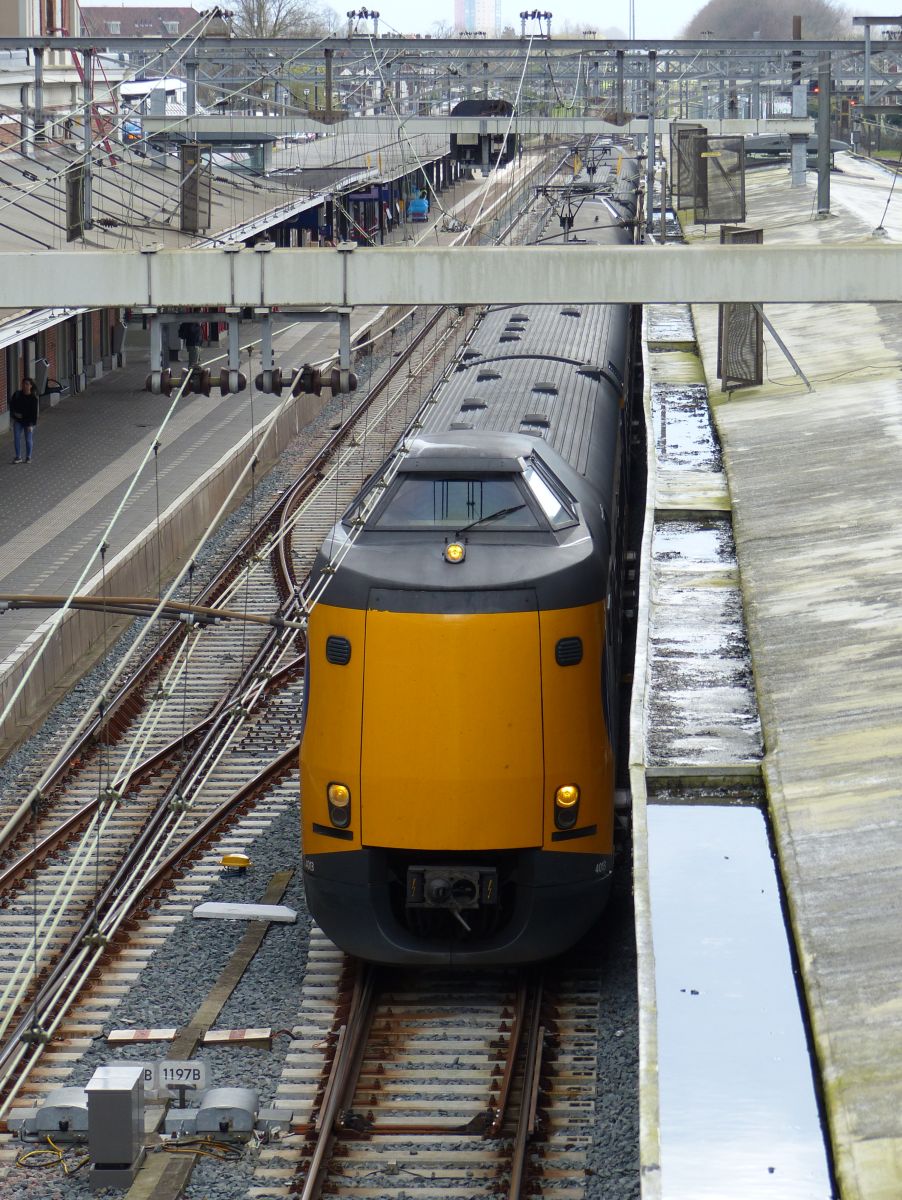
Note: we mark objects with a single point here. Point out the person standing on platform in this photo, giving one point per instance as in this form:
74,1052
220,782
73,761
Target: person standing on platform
23,408
190,333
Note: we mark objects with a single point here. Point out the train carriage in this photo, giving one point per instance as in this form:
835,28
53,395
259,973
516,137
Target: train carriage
458,753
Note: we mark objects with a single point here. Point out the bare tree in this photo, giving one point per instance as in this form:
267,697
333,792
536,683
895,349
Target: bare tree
280,18
769,19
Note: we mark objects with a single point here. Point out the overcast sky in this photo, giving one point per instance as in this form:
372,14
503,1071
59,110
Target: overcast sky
654,18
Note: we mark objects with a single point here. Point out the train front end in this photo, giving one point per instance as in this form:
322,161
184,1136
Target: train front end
457,773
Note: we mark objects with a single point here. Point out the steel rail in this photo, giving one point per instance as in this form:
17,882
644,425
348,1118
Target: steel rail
342,1080
17,870
510,1060
85,949
532,1072
155,762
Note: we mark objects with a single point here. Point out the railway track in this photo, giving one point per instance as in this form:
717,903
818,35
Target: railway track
189,760
405,1065
187,743
434,1084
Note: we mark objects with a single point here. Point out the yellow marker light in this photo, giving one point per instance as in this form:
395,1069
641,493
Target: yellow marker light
235,862
339,798
566,806
455,553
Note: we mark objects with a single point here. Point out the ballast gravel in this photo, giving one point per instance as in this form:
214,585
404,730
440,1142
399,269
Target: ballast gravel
171,989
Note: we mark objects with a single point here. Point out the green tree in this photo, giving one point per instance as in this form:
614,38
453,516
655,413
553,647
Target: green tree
769,19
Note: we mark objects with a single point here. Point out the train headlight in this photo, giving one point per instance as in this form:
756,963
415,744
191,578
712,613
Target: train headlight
339,798
454,552
566,806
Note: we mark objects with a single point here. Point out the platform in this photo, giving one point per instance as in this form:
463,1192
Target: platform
54,510
816,486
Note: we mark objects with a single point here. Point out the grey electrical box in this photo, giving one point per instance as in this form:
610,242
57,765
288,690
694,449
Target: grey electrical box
63,1116
116,1124
227,1110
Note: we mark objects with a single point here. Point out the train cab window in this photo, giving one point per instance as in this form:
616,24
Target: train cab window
555,502
433,502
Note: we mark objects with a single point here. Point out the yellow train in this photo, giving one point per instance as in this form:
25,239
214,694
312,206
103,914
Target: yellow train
457,764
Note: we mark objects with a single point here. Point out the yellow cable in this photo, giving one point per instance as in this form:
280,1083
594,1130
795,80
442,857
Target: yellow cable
56,1157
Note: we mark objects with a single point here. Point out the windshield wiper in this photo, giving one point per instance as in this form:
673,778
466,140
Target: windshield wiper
502,512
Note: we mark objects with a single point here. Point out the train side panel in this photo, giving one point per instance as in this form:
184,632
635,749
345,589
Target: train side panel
330,752
576,743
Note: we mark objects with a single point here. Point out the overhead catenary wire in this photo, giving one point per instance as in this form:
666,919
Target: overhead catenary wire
159,608
99,701
96,144
402,131
68,880
81,111
111,921
514,110
53,624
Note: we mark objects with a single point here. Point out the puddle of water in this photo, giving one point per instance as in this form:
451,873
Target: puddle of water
702,543
669,323
684,438
701,703
738,1115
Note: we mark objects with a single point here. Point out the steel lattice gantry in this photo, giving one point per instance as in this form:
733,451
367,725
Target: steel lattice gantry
559,76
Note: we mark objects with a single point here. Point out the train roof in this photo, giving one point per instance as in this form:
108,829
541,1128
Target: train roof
467,450
482,108
538,380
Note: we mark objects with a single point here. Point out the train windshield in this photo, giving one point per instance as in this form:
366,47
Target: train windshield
436,502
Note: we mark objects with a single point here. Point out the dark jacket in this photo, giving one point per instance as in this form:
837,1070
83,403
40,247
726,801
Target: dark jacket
24,408
190,333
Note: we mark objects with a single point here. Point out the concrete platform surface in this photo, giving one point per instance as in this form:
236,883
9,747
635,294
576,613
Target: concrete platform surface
54,510
816,485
